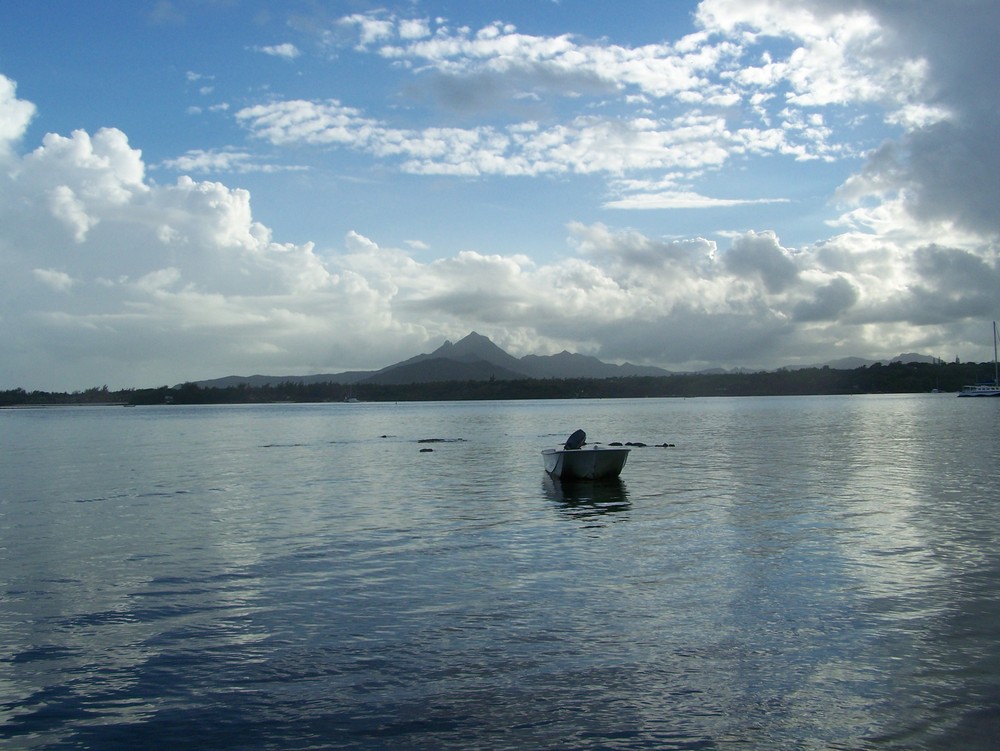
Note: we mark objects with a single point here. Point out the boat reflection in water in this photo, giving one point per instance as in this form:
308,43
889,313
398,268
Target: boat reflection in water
586,499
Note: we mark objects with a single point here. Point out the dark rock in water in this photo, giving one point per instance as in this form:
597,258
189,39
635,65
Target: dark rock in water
615,443
637,444
426,451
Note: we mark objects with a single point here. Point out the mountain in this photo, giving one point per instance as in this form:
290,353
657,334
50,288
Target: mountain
473,358
846,363
256,381
476,358
474,348
852,363
569,365
914,357
438,369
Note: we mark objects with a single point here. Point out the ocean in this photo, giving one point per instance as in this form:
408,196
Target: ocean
786,573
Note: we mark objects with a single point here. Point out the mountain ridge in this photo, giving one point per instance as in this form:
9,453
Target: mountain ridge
476,357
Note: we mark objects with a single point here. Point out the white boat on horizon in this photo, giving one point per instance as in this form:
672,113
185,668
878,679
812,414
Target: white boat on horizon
986,388
574,462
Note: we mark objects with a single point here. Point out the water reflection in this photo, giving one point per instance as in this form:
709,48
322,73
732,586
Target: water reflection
587,499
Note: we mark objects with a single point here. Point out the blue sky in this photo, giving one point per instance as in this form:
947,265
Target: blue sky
193,189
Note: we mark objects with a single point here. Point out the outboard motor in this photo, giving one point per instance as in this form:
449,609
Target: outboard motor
576,440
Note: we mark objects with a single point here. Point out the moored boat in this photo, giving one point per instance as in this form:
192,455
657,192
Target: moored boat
574,462
986,388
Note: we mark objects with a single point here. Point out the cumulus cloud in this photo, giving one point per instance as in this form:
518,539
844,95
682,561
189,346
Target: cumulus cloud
142,267
943,168
15,114
829,302
839,56
763,257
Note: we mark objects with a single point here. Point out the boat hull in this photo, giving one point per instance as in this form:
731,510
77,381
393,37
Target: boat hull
980,391
595,463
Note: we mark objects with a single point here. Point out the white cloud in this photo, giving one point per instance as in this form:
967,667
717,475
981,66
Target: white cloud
681,200
942,171
711,98
99,170
498,48
586,145
286,51
414,28
57,280
15,115
159,280
310,122
370,28
201,161
840,58
68,209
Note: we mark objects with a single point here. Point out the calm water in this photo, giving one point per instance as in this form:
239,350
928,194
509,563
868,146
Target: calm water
796,573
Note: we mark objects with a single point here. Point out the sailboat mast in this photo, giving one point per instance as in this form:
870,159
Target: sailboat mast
996,368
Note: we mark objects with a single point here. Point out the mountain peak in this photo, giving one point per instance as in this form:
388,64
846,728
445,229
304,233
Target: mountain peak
474,346
475,339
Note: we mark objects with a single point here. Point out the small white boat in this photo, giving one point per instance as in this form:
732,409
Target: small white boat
986,388
574,462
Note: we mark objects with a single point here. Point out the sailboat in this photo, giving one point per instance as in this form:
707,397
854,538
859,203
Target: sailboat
986,388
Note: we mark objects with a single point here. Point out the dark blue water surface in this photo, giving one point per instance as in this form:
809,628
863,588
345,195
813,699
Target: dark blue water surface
795,573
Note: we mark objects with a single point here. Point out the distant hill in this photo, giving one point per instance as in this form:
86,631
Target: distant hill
473,358
438,369
476,358
914,357
851,363
256,381
569,365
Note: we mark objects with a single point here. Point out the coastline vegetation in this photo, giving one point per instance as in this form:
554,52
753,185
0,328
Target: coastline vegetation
895,378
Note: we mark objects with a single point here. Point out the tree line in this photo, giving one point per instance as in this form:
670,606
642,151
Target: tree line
895,378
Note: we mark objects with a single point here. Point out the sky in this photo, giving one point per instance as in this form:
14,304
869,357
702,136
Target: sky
197,188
